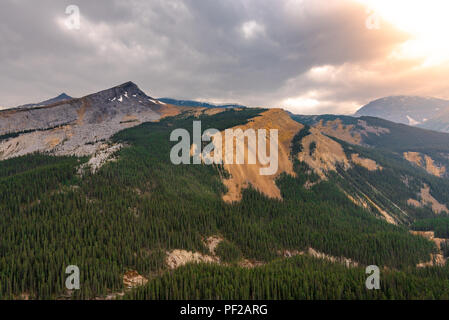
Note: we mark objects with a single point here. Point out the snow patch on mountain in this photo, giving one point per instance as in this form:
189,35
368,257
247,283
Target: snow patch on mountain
412,121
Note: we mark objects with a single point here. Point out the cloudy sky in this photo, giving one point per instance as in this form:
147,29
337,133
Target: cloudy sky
308,56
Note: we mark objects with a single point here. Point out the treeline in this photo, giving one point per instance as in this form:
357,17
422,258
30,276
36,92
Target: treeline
296,144
440,225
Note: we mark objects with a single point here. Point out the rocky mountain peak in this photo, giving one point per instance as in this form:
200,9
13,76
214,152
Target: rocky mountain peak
120,93
63,96
75,126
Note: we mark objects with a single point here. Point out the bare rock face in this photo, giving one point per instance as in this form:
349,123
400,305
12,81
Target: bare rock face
178,258
77,126
425,162
243,175
132,279
39,118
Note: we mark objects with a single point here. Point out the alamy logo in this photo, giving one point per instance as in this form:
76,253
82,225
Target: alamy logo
184,151
73,21
373,20
73,280
373,281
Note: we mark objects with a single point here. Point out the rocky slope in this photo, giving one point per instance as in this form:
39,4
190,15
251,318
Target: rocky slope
423,148
243,175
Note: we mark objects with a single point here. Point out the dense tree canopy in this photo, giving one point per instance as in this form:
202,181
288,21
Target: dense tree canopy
133,210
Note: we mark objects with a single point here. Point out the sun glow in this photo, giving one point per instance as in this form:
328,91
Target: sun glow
426,21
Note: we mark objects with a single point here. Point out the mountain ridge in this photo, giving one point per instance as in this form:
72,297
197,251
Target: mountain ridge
77,126
60,98
194,103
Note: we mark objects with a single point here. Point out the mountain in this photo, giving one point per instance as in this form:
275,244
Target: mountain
439,123
76,126
60,98
410,159
90,182
429,113
377,133
191,103
380,134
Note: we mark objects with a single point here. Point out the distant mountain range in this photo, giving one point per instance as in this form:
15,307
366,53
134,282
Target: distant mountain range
192,103
424,112
175,102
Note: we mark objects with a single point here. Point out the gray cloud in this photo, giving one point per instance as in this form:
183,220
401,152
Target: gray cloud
255,52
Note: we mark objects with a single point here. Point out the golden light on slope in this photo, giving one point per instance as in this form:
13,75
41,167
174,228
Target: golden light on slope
426,20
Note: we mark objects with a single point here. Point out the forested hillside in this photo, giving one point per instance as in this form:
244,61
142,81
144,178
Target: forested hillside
383,134
135,209
297,278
